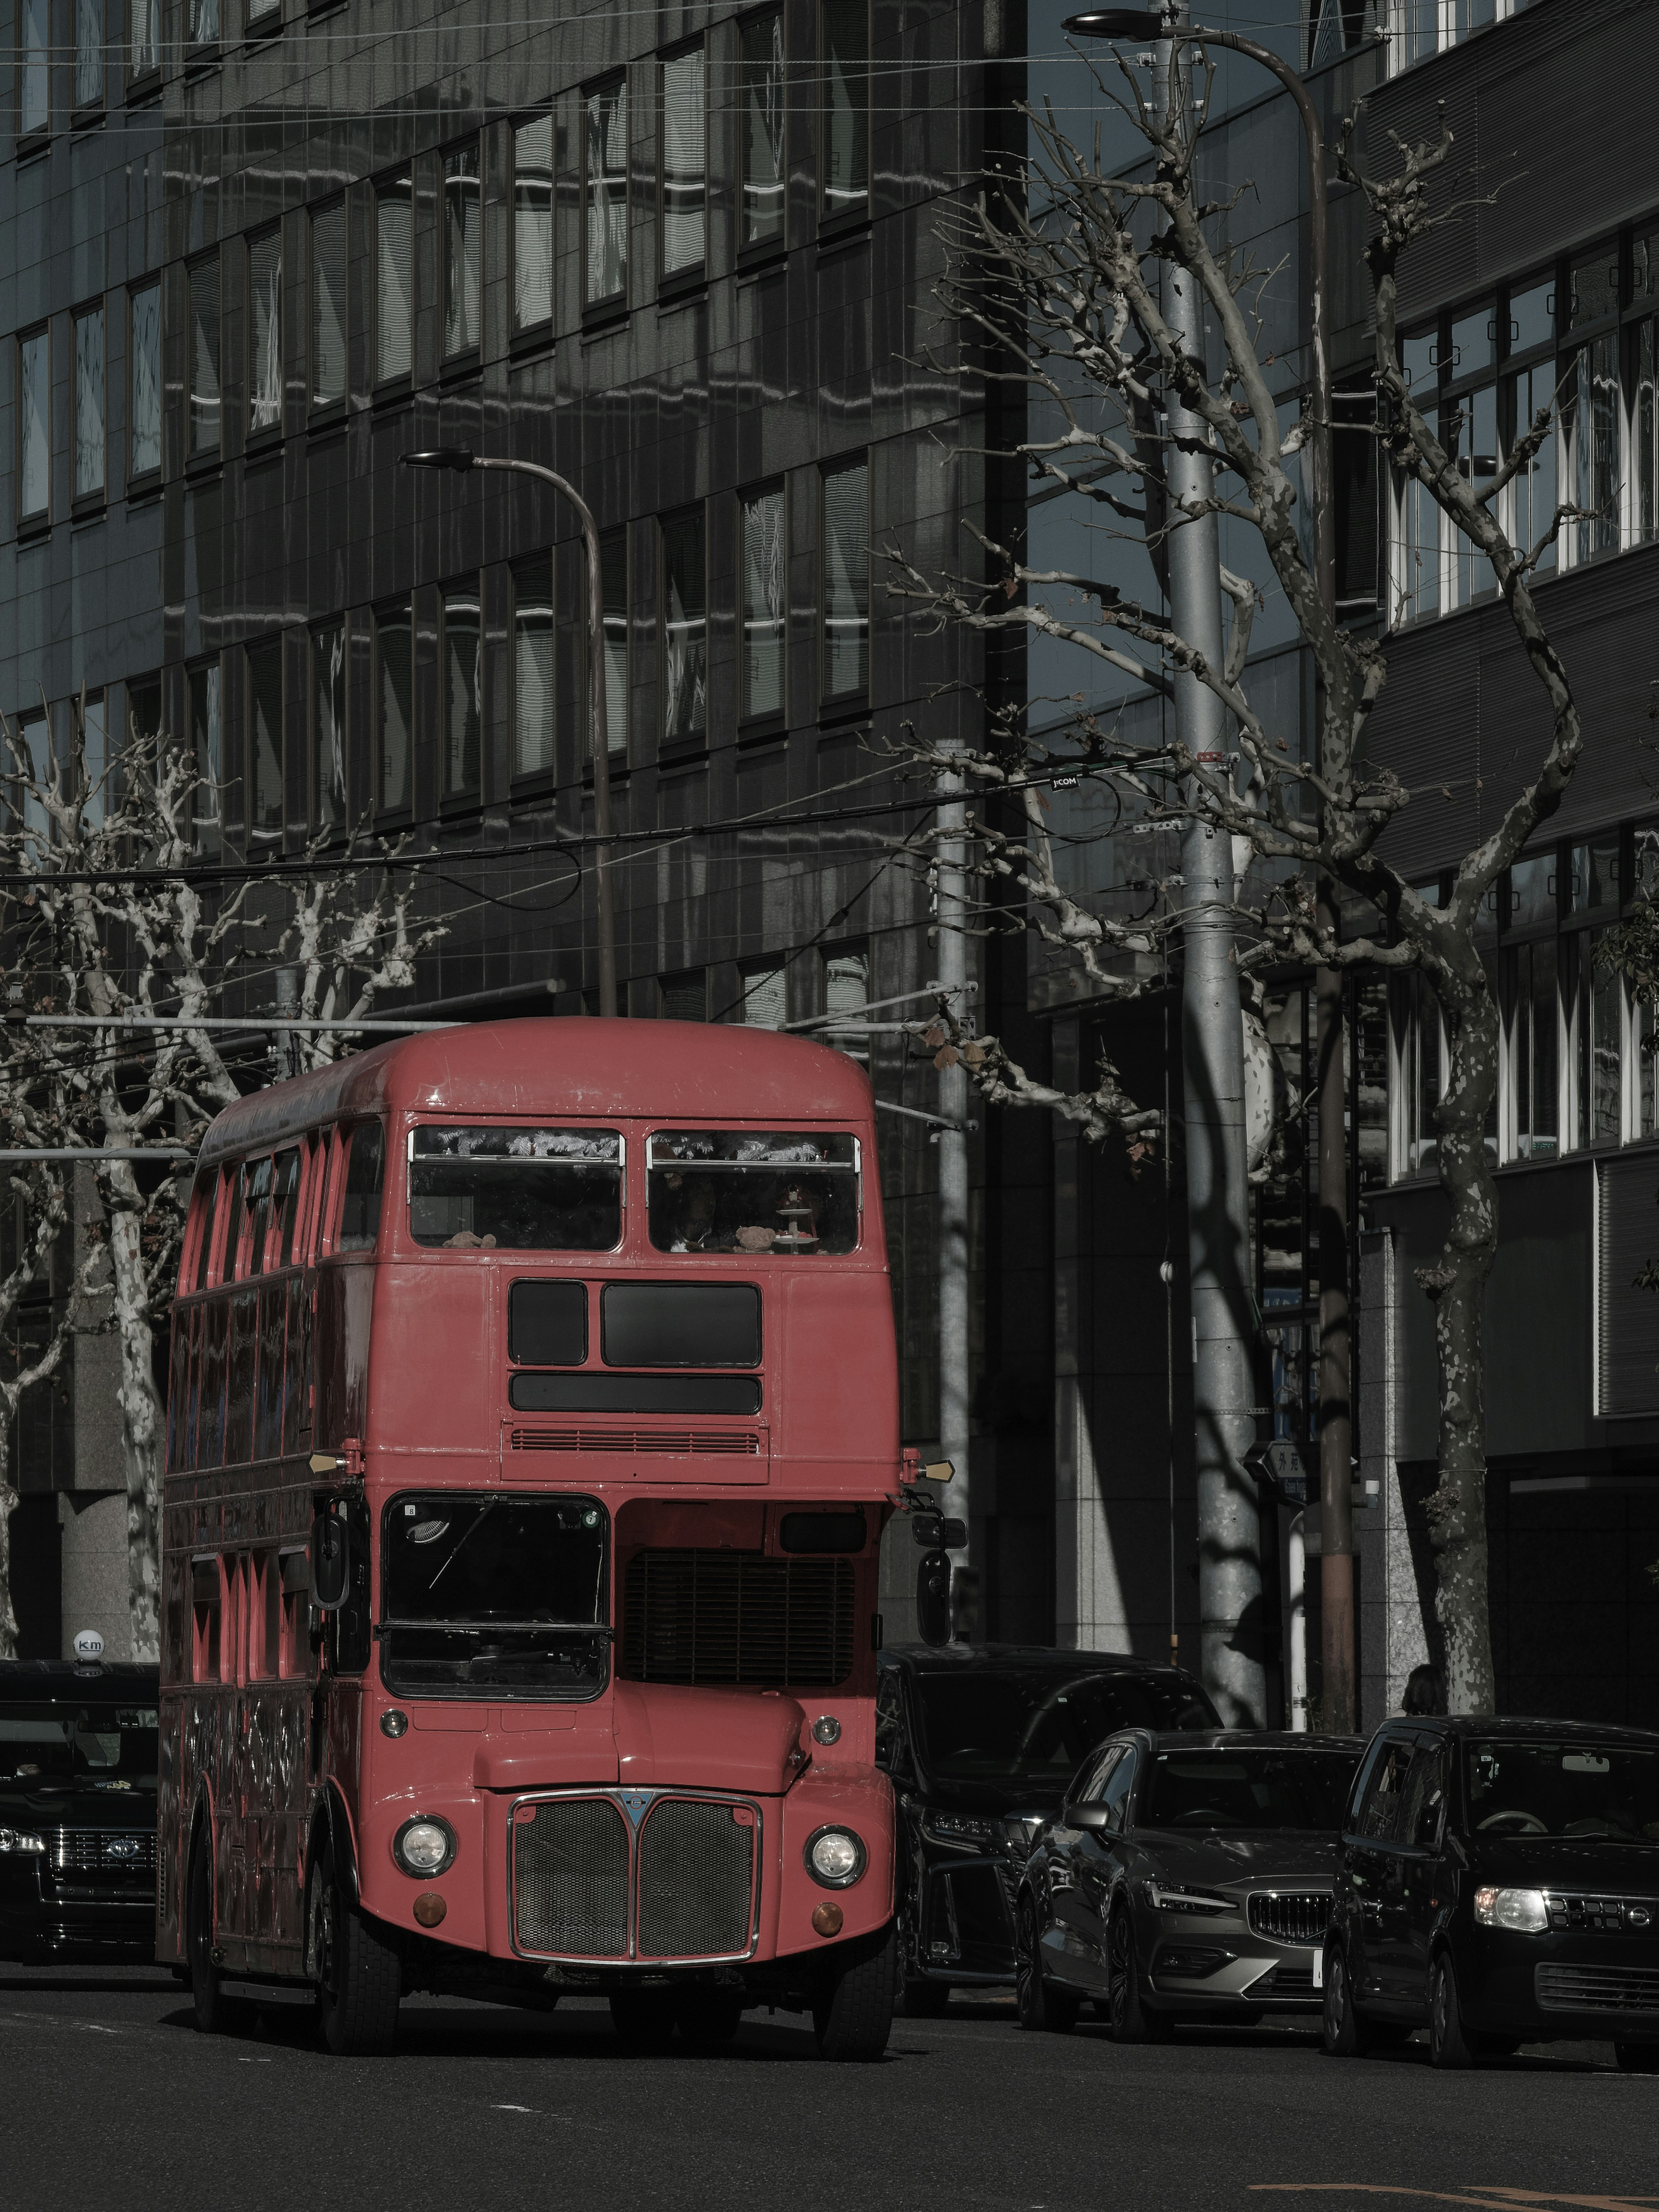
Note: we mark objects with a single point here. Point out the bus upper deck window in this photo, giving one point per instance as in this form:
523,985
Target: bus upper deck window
746,1190
207,1185
524,1190
360,1209
256,1199
284,1204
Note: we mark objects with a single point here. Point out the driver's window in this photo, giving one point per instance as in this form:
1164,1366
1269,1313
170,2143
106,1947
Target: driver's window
1119,1783
1425,1797
1379,1814
1090,1781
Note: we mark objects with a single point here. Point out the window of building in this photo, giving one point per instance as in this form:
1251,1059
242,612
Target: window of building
463,689
605,179
143,36
264,327
532,666
532,223
845,568
762,564
204,357
761,125
683,160
88,53
1469,416
394,714
684,997
95,763
1590,407
267,13
328,305
685,625
328,726
765,1000
34,67
1527,511
613,577
463,247
144,716
206,803
1415,29
846,991
34,736
265,742
394,278
144,382
33,427
845,34
88,439
201,25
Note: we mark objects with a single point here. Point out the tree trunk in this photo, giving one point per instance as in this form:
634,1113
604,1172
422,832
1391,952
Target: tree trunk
1457,1509
143,1425
9,1503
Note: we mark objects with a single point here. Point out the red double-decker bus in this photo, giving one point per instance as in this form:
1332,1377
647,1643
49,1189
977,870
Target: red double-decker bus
533,1420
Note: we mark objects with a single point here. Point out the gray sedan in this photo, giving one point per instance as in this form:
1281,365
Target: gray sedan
1187,1877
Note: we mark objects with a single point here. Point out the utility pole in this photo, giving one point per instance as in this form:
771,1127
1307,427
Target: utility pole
951,945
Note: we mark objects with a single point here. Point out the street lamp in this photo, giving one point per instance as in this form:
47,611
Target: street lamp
461,458
1335,1346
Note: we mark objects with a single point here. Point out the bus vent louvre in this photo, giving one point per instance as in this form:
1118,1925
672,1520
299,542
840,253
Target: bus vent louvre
723,1616
678,1444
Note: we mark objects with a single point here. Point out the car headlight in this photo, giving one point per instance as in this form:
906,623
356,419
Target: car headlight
15,1839
835,1857
967,1831
1168,1899
424,1846
1522,1909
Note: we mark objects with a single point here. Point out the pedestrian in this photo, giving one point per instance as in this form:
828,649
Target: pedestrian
1425,1692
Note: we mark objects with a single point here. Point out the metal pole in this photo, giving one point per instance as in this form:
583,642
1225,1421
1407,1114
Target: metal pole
951,922
284,1044
1213,1057
600,725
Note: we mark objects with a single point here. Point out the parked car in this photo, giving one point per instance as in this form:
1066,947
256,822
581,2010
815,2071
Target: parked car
981,1740
1499,1880
77,1810
1187,1877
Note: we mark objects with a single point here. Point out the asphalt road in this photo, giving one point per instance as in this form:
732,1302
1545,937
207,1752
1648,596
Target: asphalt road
110,2101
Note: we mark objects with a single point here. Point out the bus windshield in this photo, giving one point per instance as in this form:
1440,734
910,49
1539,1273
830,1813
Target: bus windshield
494,1595
749,1190
528,1190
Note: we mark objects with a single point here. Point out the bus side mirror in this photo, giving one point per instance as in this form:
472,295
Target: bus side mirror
330,1561
934,1599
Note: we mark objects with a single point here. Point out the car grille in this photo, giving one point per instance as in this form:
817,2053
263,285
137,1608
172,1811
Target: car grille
707,1616
570,1877
1610,1915
1597,1988
677,1443
586,1885
100,1850
1300,1916
696,1879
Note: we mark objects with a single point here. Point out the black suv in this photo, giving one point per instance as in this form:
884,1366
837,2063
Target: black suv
77,1810
981,1740
1498,1880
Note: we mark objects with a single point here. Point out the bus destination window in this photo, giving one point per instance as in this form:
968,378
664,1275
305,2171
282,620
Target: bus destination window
524,1190
495,1595
743,1190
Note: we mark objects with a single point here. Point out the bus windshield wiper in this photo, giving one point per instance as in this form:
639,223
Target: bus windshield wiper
505,1627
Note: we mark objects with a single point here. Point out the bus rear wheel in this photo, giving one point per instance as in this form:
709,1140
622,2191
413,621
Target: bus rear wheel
853,2015
358,1973
213,2008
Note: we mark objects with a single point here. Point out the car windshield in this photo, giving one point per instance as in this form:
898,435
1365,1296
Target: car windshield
526,1190
494,1595
44,1744
1232,1789
1605,1791
749,1190
1027,1723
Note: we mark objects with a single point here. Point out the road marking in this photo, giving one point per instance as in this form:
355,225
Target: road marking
512,2108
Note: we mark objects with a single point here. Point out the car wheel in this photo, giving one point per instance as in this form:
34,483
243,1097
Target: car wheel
359,1974
1133,2021
1041,2006
213,2010
853,2017
1343,2034
1636,2057
1449,2044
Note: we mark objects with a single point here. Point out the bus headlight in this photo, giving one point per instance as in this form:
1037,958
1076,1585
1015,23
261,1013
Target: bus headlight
835,1857
424,1846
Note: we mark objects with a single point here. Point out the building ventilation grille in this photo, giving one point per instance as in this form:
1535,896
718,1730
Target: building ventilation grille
709,1616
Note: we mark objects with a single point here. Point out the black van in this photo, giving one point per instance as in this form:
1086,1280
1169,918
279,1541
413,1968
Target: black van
1499,1880
77,1810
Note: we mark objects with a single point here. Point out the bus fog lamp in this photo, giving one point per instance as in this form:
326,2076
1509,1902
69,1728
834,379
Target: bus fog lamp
429,1908
1522,1909
394,1723
424,1846
835,1857
826,1920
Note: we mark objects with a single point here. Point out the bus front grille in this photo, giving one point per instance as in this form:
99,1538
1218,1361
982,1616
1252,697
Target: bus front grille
697,1880
570,1878
709,1616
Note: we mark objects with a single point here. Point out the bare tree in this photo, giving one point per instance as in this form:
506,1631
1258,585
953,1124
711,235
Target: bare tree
1054,274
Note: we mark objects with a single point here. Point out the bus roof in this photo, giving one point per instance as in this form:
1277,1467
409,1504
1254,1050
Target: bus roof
562,1067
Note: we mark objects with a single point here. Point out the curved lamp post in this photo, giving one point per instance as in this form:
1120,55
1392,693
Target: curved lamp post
461,458
1336,1350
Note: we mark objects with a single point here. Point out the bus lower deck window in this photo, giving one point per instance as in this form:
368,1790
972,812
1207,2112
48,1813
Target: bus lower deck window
524,1190
746,1190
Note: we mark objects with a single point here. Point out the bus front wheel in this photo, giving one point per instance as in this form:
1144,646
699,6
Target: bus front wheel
212,2007
853,2015
359,1975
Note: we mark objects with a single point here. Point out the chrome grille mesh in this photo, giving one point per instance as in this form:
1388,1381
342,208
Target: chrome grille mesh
99,1850
696,1881
1291,1915
570,1878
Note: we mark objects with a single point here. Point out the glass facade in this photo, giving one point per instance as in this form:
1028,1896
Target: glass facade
532,222
684,161
605,191
846,64
144,382
761,117
34,426
203,343
846,571
763,561
394,279
265,331
463,248
90,404
685,625
329,321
